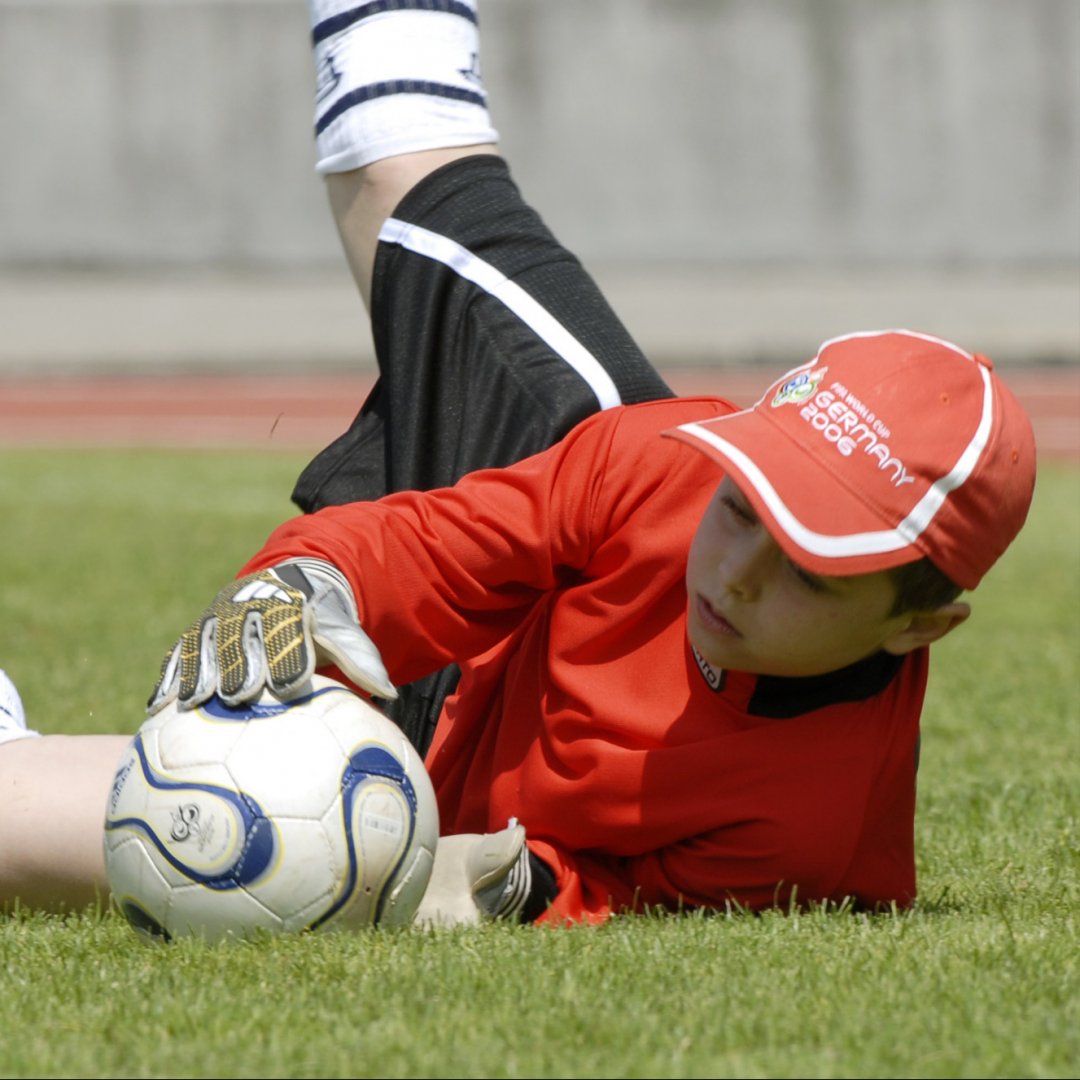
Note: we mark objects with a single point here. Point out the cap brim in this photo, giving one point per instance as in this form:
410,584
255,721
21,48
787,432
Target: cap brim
814,517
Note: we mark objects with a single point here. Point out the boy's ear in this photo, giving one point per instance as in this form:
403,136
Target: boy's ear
926,627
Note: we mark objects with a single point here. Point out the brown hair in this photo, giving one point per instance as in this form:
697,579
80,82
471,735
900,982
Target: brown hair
921,586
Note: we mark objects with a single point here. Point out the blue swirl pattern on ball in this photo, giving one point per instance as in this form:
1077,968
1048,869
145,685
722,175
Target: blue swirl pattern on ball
255,710
256,850
371,761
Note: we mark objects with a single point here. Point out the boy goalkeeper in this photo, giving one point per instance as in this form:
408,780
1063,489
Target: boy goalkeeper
692,640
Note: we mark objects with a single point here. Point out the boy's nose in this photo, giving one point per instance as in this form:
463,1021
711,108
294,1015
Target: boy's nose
747,565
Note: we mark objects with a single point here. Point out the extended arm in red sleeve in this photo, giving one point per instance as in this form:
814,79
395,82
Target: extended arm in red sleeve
441,576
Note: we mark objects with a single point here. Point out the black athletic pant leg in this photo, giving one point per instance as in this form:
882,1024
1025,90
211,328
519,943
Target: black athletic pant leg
492,343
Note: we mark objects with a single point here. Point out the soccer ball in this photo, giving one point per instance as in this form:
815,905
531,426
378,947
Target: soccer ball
275,816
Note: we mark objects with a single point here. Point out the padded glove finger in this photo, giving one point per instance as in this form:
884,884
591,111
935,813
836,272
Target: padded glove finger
254,633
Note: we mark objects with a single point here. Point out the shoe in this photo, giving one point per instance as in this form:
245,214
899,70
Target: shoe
12,713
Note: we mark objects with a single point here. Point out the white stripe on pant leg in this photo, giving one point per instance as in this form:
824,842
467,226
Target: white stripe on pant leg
495,283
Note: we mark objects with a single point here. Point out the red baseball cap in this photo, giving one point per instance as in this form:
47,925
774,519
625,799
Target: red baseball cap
887,447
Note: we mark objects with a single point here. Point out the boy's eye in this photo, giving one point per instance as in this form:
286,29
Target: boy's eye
744,515
737,510
811,581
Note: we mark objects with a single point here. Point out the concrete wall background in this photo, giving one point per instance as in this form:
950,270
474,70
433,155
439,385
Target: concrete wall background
927,130
940,132
745,177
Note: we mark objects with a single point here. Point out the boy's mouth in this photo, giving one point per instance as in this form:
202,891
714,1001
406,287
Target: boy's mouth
713,619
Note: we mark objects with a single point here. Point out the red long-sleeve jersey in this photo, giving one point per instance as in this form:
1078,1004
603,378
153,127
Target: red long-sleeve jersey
642,775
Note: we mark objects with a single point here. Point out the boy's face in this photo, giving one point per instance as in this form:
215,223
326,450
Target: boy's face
750,608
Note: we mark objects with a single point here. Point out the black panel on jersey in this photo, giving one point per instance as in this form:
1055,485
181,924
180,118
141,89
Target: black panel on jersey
781,698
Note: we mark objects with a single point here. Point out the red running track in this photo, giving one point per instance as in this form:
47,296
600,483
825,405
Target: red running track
305,412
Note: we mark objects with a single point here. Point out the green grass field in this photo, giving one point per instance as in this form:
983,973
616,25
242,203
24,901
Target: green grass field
107,555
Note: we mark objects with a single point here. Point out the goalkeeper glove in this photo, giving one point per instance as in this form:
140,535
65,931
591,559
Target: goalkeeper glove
270,630
477,877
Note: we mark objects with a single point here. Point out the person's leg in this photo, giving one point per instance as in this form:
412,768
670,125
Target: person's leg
53,791
400,100
492,341
362,199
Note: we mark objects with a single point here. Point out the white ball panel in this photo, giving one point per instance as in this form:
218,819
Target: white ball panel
194,738
301,884
194,910
294,767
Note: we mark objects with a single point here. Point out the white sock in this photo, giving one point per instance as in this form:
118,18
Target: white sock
394,77
12,716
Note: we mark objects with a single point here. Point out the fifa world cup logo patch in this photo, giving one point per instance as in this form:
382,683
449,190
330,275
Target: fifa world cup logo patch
798,388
